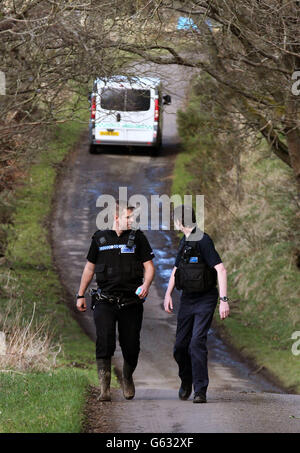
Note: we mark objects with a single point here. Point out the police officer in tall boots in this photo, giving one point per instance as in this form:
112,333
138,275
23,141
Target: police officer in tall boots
122,260
197,268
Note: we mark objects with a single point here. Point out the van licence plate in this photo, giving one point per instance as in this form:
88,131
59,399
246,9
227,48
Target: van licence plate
109,133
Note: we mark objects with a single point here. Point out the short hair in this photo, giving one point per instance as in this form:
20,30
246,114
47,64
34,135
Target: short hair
185,214
121,205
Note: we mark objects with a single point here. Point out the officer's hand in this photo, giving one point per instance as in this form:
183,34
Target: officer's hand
168,303
81,304
224,309
144,289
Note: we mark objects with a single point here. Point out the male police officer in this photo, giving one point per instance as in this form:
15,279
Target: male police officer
122,260
195,272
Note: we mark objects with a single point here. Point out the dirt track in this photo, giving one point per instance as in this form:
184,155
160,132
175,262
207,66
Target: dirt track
238,401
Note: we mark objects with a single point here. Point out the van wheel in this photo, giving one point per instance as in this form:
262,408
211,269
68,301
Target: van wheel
93,149
155,150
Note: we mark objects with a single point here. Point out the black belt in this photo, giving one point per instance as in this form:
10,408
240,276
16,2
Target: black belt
120,300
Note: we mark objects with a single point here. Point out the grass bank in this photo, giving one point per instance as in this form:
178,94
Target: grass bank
51,397
251,214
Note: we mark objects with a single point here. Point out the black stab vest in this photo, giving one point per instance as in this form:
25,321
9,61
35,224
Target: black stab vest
193,274
120,269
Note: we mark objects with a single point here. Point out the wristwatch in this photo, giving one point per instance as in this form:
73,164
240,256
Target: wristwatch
79,297
224,299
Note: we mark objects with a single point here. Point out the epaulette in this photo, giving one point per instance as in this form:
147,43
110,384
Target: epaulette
100,236
131,238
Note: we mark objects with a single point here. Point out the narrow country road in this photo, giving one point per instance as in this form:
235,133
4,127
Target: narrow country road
238,401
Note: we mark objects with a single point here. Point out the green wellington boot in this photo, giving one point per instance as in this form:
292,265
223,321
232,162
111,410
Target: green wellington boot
127,380
104,374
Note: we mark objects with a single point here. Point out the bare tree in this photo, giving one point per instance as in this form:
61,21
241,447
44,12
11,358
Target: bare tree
249,47
50,52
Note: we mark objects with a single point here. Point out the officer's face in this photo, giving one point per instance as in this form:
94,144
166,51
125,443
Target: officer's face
125,219
178,225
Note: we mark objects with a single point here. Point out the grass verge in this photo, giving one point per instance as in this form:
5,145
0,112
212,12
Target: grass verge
50,400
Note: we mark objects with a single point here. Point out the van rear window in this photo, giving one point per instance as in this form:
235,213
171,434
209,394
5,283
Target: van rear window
125,100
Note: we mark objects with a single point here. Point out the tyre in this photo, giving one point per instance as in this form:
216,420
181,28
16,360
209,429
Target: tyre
155,149
93,149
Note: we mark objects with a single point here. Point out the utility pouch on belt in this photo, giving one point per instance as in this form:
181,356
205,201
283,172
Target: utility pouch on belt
193,274
94,298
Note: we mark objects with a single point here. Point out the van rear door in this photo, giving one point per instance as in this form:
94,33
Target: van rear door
110,105
139,115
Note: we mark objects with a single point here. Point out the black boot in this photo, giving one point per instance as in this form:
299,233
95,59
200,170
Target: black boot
199,397
185,391
104,373
128,384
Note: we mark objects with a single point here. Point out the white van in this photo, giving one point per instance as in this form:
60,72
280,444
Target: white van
126,111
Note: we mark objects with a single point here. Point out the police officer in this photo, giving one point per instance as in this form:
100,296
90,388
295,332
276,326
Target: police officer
197,268
122,260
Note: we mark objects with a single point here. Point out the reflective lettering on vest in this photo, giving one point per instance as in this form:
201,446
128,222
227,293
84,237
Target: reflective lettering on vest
126,249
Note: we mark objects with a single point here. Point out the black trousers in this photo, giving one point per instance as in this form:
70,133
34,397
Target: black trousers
129,321
190,351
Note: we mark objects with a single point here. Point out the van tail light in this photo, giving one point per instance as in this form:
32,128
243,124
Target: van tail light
156,110
93,108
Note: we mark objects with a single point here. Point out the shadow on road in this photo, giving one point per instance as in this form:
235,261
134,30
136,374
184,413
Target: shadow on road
168,149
